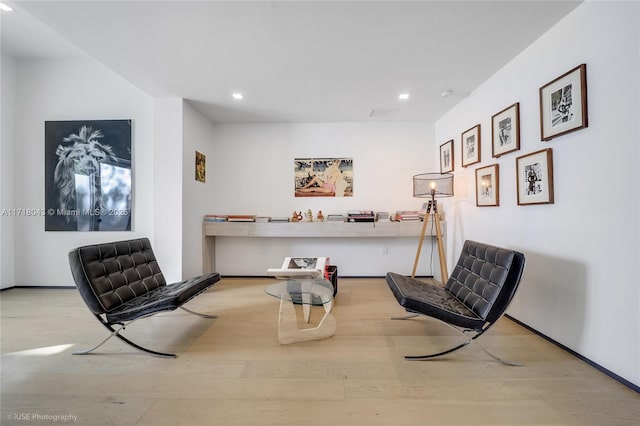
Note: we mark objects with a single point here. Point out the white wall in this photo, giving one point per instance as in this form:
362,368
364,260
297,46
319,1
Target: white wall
7,99
250,168
580,285
166,178
198,135
75,89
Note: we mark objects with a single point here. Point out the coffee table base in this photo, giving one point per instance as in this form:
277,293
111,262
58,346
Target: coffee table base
288,331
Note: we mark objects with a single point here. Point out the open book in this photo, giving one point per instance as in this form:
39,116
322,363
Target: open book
300,267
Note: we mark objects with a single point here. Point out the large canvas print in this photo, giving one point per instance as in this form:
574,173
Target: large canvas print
323,177
88,178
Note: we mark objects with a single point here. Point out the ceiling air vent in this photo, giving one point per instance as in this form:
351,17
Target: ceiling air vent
382,112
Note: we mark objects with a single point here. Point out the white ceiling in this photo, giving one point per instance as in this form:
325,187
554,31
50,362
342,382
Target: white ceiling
294,61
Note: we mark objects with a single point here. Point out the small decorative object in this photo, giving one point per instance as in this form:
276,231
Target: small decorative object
446,157
309,215
471,146
563,104
505,130
299,216
535,178
323,177
201,167
294,217
320,216
487,186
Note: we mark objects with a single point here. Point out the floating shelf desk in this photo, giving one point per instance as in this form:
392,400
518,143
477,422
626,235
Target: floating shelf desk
357,230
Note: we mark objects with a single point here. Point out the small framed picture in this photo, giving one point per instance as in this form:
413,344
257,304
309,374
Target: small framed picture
488,186
446,157
505,131
471,146
563,104
201,167
535,178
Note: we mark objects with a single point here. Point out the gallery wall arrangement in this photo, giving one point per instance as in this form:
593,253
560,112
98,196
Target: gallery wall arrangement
563,109
88,176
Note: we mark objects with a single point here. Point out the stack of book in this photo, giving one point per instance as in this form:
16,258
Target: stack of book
215,218
407,215
382,216
280,219
241,218
335,218
263,219
361,216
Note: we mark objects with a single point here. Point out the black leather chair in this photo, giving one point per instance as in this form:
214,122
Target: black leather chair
481,287
121,282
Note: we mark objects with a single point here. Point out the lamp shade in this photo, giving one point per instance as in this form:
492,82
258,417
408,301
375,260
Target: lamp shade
433,184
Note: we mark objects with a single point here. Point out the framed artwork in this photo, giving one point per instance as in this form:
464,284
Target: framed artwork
488,186
471,146
535,178
201,167
323,177
563,104
446,157
505,131
88,176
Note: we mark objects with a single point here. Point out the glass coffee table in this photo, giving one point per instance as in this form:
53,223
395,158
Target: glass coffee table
306,292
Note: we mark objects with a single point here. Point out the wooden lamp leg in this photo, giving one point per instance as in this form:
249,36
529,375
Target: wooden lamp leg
444,274
424,230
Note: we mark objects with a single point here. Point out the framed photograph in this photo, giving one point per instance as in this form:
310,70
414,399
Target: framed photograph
446,157
323,177
88,175
201,167
563,104
535,178
471,146
488,186
505,131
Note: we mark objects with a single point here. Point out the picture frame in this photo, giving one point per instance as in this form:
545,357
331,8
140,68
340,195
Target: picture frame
563,104
488,186
446,157
201,167
535,178
505,131
470,146
323,177
89,176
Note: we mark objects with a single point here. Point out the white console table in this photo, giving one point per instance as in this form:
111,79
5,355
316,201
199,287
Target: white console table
358,230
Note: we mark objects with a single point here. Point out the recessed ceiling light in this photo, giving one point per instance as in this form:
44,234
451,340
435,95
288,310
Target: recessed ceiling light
403,96
5,8
237,96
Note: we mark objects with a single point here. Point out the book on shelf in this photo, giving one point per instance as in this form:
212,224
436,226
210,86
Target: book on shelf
382,217
335,218
361,216
301,267
408,215
241,218
215,218
280,219
263,219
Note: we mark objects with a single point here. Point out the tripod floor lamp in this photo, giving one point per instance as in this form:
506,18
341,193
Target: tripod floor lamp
433,185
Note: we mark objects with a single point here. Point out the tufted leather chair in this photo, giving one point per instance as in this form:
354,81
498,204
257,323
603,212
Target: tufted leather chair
481,286
121,282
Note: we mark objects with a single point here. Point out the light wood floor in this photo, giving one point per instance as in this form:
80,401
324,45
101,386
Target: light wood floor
232,370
